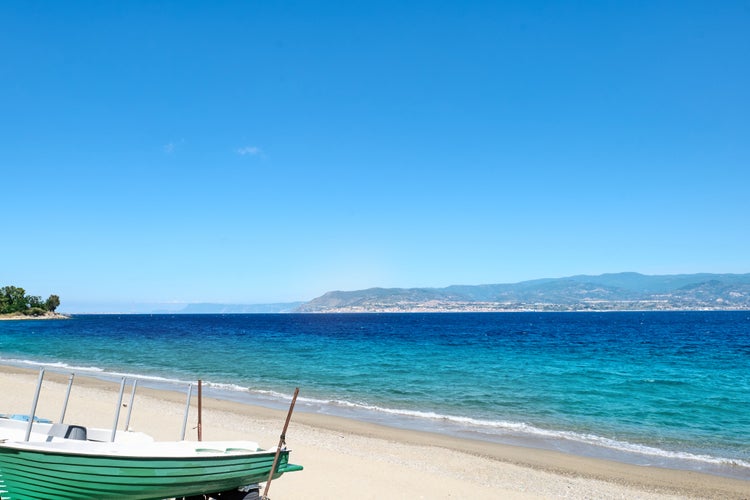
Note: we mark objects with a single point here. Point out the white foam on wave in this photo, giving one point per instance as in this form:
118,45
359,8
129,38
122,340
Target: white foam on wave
52,365
271,394
521,429
113,374
151,378
225,386
94,370
642,449
504,427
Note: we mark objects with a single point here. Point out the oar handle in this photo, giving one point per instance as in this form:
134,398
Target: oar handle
282,441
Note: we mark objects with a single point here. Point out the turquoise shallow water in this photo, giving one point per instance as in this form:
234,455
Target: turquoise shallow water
669,389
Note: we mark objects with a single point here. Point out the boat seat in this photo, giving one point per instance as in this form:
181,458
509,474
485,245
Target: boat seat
65,431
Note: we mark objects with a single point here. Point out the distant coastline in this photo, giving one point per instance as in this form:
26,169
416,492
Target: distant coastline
605,292
473,307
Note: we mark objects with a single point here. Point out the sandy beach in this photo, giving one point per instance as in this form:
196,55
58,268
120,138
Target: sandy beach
349,459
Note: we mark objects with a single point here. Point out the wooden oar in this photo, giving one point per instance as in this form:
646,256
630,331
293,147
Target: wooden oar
200,410
282,441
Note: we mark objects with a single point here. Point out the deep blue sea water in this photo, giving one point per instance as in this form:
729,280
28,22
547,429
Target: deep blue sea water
662,388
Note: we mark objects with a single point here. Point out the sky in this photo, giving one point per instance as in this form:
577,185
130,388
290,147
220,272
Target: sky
256,152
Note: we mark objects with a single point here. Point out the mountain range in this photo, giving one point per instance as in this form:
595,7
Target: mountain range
606,292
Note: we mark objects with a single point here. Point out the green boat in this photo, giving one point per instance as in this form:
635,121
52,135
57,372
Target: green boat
42,460
77,469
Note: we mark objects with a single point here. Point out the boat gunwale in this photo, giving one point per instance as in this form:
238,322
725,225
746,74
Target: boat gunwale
170,450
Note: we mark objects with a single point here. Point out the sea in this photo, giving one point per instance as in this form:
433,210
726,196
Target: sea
670,389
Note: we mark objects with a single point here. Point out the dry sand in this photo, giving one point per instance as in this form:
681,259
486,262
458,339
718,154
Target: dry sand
346,459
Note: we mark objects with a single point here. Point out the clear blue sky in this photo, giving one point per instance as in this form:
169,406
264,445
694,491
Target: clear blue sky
254,151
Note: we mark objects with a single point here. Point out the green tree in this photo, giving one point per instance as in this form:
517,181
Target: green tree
14,299
34,302
53,302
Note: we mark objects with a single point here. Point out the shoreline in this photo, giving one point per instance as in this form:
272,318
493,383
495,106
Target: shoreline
23,317
419,463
